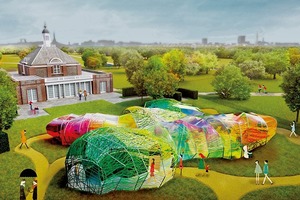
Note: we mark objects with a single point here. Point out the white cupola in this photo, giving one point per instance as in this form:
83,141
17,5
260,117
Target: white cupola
46,37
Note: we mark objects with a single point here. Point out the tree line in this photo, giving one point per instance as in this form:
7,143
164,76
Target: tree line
157,71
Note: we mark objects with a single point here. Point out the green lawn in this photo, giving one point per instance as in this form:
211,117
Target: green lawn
10,62
178,188
274,193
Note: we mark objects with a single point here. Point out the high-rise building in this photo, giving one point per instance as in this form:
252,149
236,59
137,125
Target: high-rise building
204,41
241,39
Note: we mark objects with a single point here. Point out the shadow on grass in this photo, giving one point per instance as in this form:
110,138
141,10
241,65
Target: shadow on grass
177,188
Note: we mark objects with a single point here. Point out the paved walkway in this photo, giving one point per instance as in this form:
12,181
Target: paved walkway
25,112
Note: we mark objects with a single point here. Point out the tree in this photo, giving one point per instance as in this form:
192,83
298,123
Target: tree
241,56
158,80
204,62
138,81
294,54
276,62
93,62
252,69
291,89
65,49
92,59
132,62
175,62
22,53
0,55
116,55
210,62
8,101
230,83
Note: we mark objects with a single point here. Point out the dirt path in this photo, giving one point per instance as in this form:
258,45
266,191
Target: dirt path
225,186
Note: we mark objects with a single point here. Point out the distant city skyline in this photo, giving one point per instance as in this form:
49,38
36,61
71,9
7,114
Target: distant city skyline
148,21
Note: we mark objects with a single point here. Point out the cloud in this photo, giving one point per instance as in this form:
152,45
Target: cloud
150,21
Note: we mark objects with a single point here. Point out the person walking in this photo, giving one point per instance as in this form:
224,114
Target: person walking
201,164
152,167
22,190
257,171
265,89
293,129
85,94
34,189
259,88
180,164
266,172
80,95
23,139
30,105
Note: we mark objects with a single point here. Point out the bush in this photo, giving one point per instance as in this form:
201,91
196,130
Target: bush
4,143
177,96
230,83
193,94
128,92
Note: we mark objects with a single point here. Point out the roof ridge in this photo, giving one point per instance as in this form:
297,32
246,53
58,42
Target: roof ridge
37,55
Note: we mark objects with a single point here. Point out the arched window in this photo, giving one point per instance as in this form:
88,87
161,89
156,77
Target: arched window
56,65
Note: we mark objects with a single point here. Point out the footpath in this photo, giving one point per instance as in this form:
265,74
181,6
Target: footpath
25,112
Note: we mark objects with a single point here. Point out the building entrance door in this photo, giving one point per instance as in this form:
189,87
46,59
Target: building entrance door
32,95
102,87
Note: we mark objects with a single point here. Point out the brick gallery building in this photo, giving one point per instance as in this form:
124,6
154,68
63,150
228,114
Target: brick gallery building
47,73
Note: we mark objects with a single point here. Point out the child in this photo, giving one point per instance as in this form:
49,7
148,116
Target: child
206,169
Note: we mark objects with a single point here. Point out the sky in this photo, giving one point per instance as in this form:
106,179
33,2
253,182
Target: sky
165,21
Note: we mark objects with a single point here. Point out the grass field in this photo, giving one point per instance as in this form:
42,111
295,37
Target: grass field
274,193
9,62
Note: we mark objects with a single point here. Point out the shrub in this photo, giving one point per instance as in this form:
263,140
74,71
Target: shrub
193,94
4,143
128,92
177,96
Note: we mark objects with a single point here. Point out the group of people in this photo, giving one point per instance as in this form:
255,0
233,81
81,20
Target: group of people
262,88
258,171
32,190
84,94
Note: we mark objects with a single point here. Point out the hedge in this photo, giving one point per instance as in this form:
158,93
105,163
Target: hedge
4,143
193,94
128,92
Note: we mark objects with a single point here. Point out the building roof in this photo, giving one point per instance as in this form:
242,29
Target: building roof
46,55
45,30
